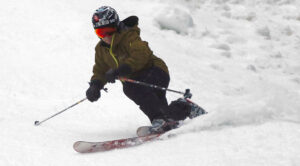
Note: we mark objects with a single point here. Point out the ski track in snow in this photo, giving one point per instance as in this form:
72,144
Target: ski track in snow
239,58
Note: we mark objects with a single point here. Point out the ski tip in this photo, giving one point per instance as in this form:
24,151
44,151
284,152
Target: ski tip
76,145
82,147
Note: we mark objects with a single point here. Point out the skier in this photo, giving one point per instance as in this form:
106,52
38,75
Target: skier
122,53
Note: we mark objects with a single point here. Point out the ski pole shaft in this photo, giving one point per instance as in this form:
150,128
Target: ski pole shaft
40,122
150,85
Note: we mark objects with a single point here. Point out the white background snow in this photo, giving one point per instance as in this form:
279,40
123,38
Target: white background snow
240,58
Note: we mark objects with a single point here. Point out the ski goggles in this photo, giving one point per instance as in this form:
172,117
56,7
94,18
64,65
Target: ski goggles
106,31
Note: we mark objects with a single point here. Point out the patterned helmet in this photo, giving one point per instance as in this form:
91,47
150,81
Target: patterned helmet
105,16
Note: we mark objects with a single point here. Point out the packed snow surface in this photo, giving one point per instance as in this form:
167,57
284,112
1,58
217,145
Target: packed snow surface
240,58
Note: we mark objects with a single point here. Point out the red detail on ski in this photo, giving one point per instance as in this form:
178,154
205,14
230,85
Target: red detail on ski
89,147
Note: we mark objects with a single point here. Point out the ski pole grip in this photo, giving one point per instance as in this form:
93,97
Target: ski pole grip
187,94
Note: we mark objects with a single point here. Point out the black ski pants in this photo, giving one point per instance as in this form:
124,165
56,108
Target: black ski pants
153,102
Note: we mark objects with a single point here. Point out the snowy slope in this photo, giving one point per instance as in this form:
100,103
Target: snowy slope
240,58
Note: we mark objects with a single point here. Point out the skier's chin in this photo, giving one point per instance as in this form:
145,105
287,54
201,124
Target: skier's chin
107,39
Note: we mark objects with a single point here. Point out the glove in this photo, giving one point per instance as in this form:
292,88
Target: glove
112,74
93,92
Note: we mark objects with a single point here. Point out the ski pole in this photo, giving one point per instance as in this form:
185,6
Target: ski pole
186,94
36,123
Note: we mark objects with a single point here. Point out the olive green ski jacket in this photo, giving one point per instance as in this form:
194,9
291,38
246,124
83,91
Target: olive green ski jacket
126,47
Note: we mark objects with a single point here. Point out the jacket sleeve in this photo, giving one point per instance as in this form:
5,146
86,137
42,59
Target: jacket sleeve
139,52
100,67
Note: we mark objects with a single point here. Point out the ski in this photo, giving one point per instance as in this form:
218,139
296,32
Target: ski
89,147
144,134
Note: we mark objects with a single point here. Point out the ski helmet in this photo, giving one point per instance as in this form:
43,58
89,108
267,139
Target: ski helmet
105,16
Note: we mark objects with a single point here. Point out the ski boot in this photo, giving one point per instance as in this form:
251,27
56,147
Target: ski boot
159,126
194,109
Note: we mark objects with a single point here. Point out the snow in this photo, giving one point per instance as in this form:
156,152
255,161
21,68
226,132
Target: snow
240,59
174,19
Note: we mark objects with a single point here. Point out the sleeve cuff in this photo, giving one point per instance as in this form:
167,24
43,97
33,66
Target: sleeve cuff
124,70
97,83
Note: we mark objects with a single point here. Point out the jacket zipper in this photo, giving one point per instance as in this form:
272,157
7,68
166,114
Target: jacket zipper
111,52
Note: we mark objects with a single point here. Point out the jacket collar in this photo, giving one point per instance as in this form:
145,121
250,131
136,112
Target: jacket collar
128,24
